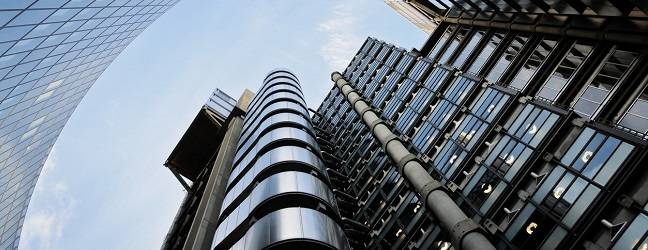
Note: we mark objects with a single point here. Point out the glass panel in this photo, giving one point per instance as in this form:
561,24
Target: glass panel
456,41
636,117
604,81
507,57
469,48
530,66
442,41
486,52
564,71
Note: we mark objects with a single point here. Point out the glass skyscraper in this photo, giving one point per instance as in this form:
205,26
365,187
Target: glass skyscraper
51,52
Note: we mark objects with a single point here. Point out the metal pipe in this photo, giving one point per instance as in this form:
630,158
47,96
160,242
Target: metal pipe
465,233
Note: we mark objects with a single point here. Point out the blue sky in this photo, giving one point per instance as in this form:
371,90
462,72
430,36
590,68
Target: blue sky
104,185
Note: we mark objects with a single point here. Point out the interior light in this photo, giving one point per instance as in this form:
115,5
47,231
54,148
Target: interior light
558,192
531,227
487,188
587,155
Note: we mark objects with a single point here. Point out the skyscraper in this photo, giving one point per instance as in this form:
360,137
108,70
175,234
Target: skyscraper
518,124
51,52
530,117
264,184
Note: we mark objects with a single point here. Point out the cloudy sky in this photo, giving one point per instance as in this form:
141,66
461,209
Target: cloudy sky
104,185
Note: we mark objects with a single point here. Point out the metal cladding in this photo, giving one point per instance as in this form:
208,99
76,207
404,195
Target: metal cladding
525,139
278,193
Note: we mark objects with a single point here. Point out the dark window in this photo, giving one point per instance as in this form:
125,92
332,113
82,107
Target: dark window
507,57
530,66
469,48
486,52
605,80
564,71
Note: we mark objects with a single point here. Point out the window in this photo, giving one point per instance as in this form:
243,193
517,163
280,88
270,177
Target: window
442,112
569,186
454,44
469,131
442,41
421,100
419,68
486,52
565,70
507,57
508,154
386,89
604,81
375,82
636,234
530,66
403,92
469,48
636,118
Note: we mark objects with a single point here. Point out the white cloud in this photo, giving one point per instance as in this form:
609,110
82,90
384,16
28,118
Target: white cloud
342,40
53,206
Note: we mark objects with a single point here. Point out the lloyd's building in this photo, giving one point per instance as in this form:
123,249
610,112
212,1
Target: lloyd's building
517,125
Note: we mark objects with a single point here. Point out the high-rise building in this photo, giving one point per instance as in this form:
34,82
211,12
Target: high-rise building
518,124
530,117
51,52
261,182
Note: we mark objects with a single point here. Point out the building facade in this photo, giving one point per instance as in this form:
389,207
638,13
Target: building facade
536,133
51,52
265,185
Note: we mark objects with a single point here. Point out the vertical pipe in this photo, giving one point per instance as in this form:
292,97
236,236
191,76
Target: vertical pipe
465,233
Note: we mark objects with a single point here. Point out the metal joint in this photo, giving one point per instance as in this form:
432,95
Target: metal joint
430,187
374,123
388,139
461,229
403,161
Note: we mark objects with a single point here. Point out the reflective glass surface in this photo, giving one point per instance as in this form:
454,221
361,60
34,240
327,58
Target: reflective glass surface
51,52
636,118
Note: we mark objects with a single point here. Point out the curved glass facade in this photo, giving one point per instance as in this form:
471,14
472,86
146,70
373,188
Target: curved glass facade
51,52
278,193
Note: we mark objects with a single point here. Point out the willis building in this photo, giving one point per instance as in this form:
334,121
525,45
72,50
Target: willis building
51,53
517,125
